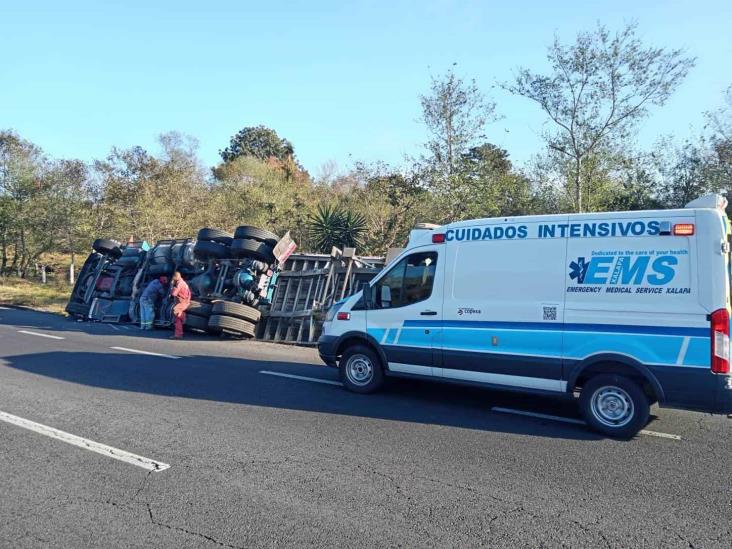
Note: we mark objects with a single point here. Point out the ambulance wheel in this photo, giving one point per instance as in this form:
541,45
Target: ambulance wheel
614,406
360,370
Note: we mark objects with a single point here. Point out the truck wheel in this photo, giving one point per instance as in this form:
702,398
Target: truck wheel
205,249
107,246
246,247
614,406
215,235
241,328
237,310
360,370
196,322
260,235
197,308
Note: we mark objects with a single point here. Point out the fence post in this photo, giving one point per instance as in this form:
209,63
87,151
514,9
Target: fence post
71,274
43,274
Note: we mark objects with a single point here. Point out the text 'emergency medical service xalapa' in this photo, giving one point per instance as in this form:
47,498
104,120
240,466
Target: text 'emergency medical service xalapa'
626,308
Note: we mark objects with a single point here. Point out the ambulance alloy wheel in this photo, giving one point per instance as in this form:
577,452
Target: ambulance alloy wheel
219,323
360,370
614,406
237,310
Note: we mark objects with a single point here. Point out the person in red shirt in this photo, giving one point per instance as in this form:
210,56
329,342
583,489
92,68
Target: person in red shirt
182,295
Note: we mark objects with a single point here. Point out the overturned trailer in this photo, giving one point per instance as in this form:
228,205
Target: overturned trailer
307,286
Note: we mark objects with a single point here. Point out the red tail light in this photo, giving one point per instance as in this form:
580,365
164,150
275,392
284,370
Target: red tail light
720,341
343,316
438,238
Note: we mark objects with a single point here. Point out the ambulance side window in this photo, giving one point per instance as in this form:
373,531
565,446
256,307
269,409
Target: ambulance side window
409,281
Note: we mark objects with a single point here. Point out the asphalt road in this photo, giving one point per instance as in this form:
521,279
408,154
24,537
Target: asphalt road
258,460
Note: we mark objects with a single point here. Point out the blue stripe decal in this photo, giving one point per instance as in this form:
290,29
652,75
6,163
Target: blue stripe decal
545,326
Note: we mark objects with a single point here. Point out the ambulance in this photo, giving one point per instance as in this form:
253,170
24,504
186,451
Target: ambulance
620,310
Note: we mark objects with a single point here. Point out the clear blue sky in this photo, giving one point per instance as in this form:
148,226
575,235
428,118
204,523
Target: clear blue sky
340,79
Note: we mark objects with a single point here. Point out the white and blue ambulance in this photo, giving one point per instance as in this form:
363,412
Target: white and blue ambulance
625,308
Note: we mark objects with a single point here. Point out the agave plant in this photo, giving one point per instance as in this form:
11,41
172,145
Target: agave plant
333,226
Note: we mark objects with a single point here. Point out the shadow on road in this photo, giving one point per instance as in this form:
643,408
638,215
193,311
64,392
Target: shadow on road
239,381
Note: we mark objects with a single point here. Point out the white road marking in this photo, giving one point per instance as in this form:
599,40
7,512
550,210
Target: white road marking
660,435
536,414
575,421
40,335
4,308
139,352
302,378
109,451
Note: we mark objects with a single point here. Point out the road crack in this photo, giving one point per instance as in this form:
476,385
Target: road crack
188,532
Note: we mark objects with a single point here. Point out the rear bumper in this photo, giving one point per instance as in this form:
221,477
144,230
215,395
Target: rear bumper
327,347
695,389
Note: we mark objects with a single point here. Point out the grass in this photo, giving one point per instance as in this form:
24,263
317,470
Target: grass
51,297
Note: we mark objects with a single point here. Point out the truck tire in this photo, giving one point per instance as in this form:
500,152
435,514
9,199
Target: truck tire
260,235
107,246
247,247
360,370
219,323
236,310
205,249
199,309
215,235
614,405
196,322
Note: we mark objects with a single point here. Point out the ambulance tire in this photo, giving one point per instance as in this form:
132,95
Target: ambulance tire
360,370
614,405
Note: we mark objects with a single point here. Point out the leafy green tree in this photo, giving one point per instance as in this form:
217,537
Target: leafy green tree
597,91
260,142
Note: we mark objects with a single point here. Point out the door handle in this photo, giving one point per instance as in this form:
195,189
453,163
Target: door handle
428,313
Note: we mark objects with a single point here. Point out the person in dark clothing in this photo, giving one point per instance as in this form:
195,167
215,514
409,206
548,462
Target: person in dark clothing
154,291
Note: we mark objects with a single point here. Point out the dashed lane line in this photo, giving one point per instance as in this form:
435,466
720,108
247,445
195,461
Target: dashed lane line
49,336
302,378
574,421
660,435
85,443
140,352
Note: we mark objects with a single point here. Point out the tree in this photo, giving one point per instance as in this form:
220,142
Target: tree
260,142
598,90
391,203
